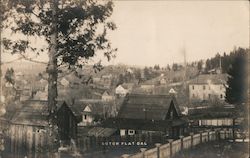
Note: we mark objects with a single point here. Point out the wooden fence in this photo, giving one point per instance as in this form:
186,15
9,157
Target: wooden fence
172,147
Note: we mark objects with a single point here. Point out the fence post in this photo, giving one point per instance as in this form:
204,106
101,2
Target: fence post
158,149
125,156
200,137
143,151
181,137
192,139
208,135
170,146
225,133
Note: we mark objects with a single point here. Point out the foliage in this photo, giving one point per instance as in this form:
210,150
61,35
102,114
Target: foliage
10,76
82,28
236,92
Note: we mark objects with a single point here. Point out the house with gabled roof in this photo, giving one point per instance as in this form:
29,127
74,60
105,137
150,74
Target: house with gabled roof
92,111
107,96
208,87
67,120
142,113
121,91
29,125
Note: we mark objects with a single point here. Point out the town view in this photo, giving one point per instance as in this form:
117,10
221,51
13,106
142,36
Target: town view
124,79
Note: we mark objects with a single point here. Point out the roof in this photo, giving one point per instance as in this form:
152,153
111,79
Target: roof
212,113
32,113
209,79
141,106
35,112
96,107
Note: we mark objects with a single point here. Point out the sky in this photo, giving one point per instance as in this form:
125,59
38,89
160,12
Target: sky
157,32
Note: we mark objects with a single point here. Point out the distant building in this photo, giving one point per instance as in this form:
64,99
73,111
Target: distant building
163,81
208,87
121,91
107,97
172,91
92,111
148,87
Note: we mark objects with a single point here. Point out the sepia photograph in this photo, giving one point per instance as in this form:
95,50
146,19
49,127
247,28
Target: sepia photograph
124,78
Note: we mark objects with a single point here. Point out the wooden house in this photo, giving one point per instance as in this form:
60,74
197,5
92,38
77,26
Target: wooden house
212,117
107,96
208,87
28,128
121,91
142,114
67,120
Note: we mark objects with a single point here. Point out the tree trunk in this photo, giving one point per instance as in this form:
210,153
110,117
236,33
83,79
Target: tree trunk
52,64
52,81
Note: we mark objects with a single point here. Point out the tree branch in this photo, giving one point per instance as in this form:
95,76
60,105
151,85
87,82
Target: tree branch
35,61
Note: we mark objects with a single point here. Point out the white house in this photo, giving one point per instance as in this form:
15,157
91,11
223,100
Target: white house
87,117
120,91
106,97
208,87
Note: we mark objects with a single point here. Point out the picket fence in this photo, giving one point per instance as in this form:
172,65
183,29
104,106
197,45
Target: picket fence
172,147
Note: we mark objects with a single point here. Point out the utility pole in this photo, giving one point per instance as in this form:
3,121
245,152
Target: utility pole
185,66
1,88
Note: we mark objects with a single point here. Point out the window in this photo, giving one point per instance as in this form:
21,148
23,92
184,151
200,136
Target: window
221,96
204,87
171,115
131,132
85,117
193,87
209,96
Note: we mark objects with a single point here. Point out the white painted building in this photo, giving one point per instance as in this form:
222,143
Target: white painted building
208,87
106,97
120,91
87,117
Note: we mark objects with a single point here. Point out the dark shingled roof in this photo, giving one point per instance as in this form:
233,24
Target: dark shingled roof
32,113
212,112
152,107
209,78
95,106
35,112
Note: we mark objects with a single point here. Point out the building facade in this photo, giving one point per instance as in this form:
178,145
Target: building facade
208,87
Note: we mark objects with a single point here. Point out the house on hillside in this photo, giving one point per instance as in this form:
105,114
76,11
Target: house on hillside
120,91
208,87
92,112
149,114
107,97
163,81
148,87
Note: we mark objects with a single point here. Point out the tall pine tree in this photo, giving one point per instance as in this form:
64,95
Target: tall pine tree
236,92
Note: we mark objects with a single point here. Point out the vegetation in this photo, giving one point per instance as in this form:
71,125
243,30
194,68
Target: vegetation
73,30
236,92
